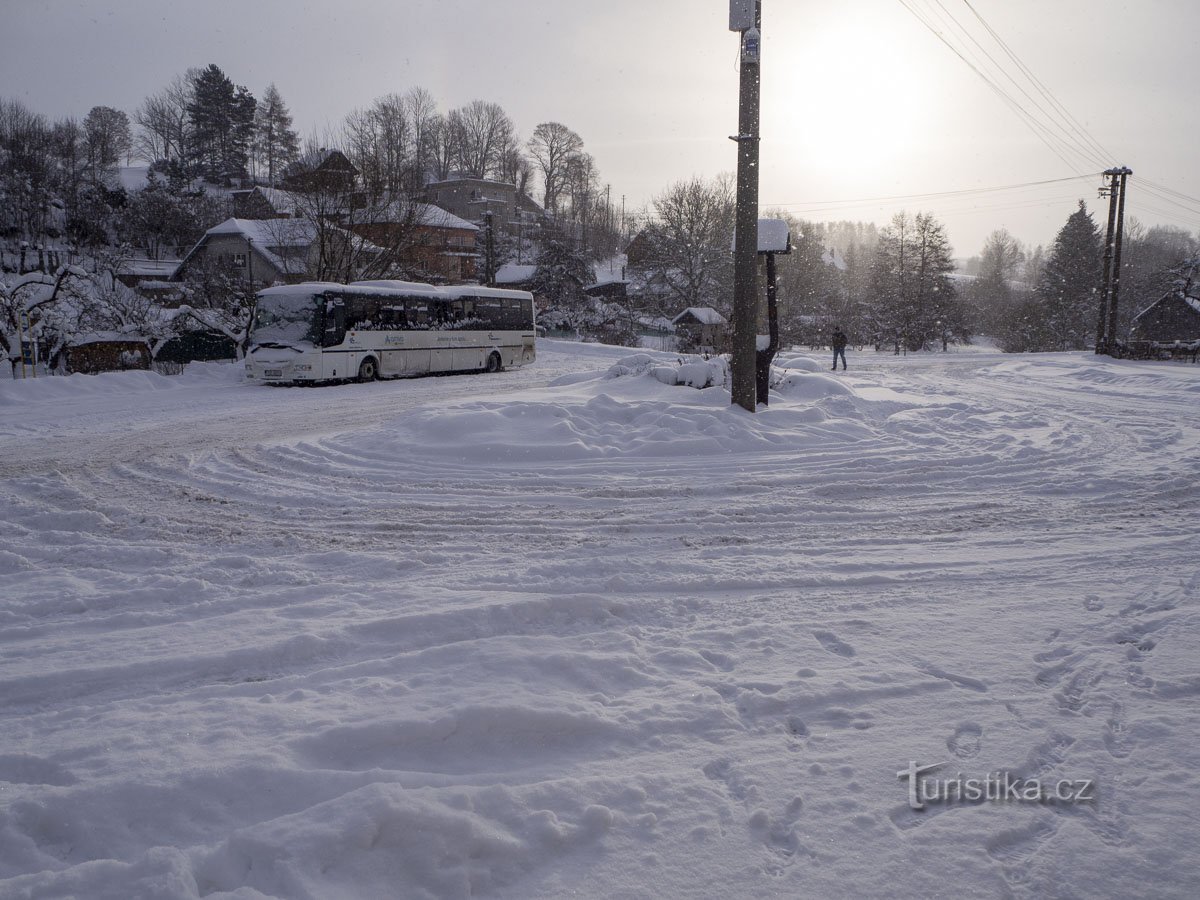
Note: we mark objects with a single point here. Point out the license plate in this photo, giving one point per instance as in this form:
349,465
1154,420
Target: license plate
272,373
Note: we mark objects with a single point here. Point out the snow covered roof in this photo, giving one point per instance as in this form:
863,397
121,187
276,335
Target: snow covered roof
133,178
268,232
1192,302
107,337
148,268
773,237
512,273
435,217
705,315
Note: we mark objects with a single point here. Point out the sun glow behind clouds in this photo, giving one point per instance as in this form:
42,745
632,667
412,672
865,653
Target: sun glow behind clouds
847,97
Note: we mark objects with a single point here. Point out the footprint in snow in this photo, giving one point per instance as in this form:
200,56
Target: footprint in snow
833,643
966,740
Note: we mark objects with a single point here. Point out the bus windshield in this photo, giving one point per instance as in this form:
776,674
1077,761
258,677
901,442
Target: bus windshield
287,319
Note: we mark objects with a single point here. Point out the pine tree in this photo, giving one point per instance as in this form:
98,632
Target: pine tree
275,142
222,119
1068,292
915,301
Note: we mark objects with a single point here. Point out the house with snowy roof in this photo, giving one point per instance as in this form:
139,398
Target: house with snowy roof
261,202
320,170
701,328
1174,317
261,251
512,210
426,239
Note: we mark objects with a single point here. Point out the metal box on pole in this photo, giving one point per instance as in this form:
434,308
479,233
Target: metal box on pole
741,15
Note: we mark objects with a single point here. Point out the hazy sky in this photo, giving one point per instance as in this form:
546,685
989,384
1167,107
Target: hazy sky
860,100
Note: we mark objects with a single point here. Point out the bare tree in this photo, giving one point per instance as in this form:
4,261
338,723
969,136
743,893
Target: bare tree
481,132
379,141
422,116
107,139
687,243
162,120
442,150
552,146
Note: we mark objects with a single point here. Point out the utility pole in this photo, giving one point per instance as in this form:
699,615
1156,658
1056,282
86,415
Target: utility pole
489,250
1106,325
745,16
1109,191
1116,274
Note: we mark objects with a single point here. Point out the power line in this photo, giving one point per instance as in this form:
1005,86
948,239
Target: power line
935,195
1039,129
1037,82
1066,140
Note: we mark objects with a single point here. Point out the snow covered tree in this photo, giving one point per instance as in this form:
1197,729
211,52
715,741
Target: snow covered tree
219,301
160,219
1068,293
221,117
996,292
276,143
915,301
686,245
44,308
812,298
562,273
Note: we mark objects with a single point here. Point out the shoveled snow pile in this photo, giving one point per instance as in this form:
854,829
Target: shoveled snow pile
573,631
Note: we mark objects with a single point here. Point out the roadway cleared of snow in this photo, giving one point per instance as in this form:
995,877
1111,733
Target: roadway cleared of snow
570,631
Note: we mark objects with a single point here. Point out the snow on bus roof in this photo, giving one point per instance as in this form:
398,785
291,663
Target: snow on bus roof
390,288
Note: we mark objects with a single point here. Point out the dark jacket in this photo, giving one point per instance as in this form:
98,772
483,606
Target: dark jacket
839,340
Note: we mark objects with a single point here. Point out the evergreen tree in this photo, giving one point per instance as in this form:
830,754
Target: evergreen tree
275,142
562,273
915,300
221,116
1068,293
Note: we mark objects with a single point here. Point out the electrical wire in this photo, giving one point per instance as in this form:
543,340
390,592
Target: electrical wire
1039,129
1041,87
1047,118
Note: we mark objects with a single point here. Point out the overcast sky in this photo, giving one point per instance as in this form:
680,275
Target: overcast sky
860,100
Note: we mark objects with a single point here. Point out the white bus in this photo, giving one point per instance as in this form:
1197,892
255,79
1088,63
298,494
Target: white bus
319,332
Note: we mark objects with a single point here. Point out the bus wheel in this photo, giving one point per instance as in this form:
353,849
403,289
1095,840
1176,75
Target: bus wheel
494,363
369,370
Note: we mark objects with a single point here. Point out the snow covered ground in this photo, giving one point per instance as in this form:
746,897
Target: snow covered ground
556,632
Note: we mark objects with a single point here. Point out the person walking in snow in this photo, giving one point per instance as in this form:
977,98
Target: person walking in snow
839,348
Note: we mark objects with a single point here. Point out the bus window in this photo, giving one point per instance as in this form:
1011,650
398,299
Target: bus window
335,323
418,313
512,313
440,313
490,312
392,316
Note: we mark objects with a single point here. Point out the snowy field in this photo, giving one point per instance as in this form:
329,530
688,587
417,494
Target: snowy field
562,632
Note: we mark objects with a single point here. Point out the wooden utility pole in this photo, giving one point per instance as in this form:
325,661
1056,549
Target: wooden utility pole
1113,350
1110,289
1109,191
745,17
